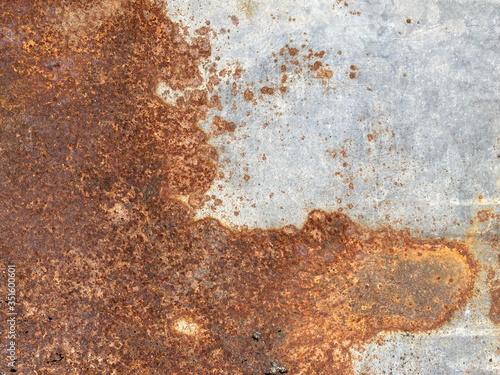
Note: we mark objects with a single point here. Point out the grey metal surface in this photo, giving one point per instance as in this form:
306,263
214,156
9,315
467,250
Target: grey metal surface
415,136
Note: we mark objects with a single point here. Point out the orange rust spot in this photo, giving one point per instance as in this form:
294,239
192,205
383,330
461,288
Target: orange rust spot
267,90
324,73
221,126
320,54
316,65
248,95
352,75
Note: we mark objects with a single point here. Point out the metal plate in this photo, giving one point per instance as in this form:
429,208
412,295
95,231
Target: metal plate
250,187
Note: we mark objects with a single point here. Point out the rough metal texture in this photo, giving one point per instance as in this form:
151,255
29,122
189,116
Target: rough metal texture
105,170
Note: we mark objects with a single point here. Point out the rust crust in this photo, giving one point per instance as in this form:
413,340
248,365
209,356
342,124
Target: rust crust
494,313
99,178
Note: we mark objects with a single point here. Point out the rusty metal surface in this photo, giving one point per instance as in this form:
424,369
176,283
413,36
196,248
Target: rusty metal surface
116,133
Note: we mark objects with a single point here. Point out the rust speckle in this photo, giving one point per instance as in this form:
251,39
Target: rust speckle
221,126
486,215
248,95
316,65
100,179
234,20
267,90
352,75
324,73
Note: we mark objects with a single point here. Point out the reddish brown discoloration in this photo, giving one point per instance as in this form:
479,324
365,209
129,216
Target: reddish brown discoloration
486,215
248,95
221,125
494,283
316,65
324,73
267,90
495,305
341,4
99,178
235,20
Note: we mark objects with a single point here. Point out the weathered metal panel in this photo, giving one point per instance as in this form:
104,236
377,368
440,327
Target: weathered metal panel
249,187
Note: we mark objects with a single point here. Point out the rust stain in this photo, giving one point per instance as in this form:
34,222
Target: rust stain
99,177
324,73
221,126
487,215
494,313
267,90
248,95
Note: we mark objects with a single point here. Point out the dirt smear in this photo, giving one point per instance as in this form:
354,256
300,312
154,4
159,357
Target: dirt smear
99,178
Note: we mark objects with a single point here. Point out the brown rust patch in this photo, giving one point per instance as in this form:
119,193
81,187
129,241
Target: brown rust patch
487,215
248,95
324,73
221,125
316,65
494,313
98,180
267,90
